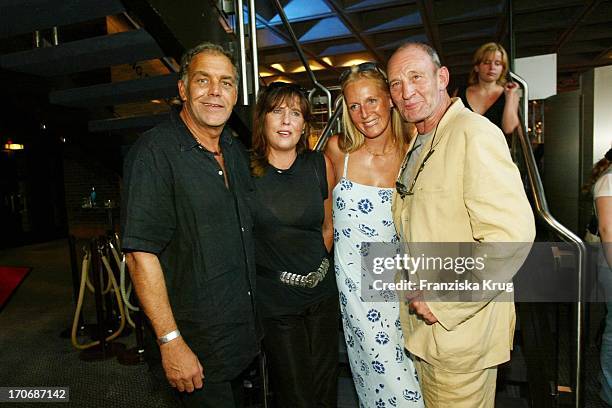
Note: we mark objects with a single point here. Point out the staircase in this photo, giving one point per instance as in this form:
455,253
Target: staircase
114,61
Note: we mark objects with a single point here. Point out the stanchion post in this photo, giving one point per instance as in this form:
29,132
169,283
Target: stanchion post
139,323
76,279
109,302
98,270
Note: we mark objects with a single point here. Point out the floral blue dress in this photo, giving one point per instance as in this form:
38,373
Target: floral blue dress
383,371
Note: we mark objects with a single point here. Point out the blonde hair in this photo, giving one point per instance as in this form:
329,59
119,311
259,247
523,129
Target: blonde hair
353,139
482,53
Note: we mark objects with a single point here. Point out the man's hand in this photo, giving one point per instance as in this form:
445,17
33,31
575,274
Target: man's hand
183,370
419,306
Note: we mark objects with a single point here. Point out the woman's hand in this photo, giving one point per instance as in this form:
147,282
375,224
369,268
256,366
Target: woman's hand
510,90
510,120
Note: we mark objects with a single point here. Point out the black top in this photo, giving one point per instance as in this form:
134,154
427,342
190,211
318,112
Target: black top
288,215
176,205
495,113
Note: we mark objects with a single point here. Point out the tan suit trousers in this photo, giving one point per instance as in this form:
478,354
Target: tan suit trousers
443,389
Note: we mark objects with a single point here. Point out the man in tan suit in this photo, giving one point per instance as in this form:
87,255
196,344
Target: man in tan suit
458,184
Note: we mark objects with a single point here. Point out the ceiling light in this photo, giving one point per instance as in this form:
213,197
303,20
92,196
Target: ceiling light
283,79
355,61
278,67
9,145
313,67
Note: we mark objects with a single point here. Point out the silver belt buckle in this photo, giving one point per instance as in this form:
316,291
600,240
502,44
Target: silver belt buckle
310,280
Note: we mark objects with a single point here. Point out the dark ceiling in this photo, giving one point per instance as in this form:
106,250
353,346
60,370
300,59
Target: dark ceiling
115,59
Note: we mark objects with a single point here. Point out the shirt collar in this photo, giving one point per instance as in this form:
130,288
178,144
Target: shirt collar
187,140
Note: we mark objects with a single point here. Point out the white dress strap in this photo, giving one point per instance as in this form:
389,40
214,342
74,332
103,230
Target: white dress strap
344,173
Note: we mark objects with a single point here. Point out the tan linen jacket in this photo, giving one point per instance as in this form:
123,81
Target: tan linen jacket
468,191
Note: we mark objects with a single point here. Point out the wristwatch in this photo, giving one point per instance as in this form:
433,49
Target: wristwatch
168,337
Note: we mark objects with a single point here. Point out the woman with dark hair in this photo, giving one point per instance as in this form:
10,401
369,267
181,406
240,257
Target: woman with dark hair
488,92
296,294
367,158
600,186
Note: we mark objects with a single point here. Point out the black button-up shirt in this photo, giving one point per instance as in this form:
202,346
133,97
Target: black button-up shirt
176,205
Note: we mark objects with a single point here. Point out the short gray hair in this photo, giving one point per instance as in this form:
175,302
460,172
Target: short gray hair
435,58
208,48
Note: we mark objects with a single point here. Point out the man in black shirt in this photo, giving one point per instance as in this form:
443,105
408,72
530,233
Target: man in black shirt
187,235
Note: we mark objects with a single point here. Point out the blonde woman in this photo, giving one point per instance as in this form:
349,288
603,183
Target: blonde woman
488,92
366,161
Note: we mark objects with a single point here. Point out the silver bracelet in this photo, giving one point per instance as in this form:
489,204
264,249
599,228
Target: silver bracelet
168,337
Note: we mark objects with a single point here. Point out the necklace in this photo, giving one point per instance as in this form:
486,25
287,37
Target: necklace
365,145
281,165
214,152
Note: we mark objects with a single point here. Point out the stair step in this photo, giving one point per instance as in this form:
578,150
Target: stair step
84,55
514,371
131,123
510,402
162,86
26,16
347,396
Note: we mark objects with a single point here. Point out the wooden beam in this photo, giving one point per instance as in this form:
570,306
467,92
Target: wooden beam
603,54
370,6
574,26
538,7
582,66
431,27
355,29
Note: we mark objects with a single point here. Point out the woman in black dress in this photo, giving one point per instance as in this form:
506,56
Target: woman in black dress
296,292
488,92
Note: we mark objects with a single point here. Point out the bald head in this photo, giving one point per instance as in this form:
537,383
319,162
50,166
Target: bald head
418,85
430,51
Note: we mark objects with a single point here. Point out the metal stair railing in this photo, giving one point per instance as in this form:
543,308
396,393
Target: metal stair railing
300,52
542,210
329,127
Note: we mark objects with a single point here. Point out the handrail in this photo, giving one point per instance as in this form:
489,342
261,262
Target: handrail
242,47
298,48
543,211
521,81
254,52
330,124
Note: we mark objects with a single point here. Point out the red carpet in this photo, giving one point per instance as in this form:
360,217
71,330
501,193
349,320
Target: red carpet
10,278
